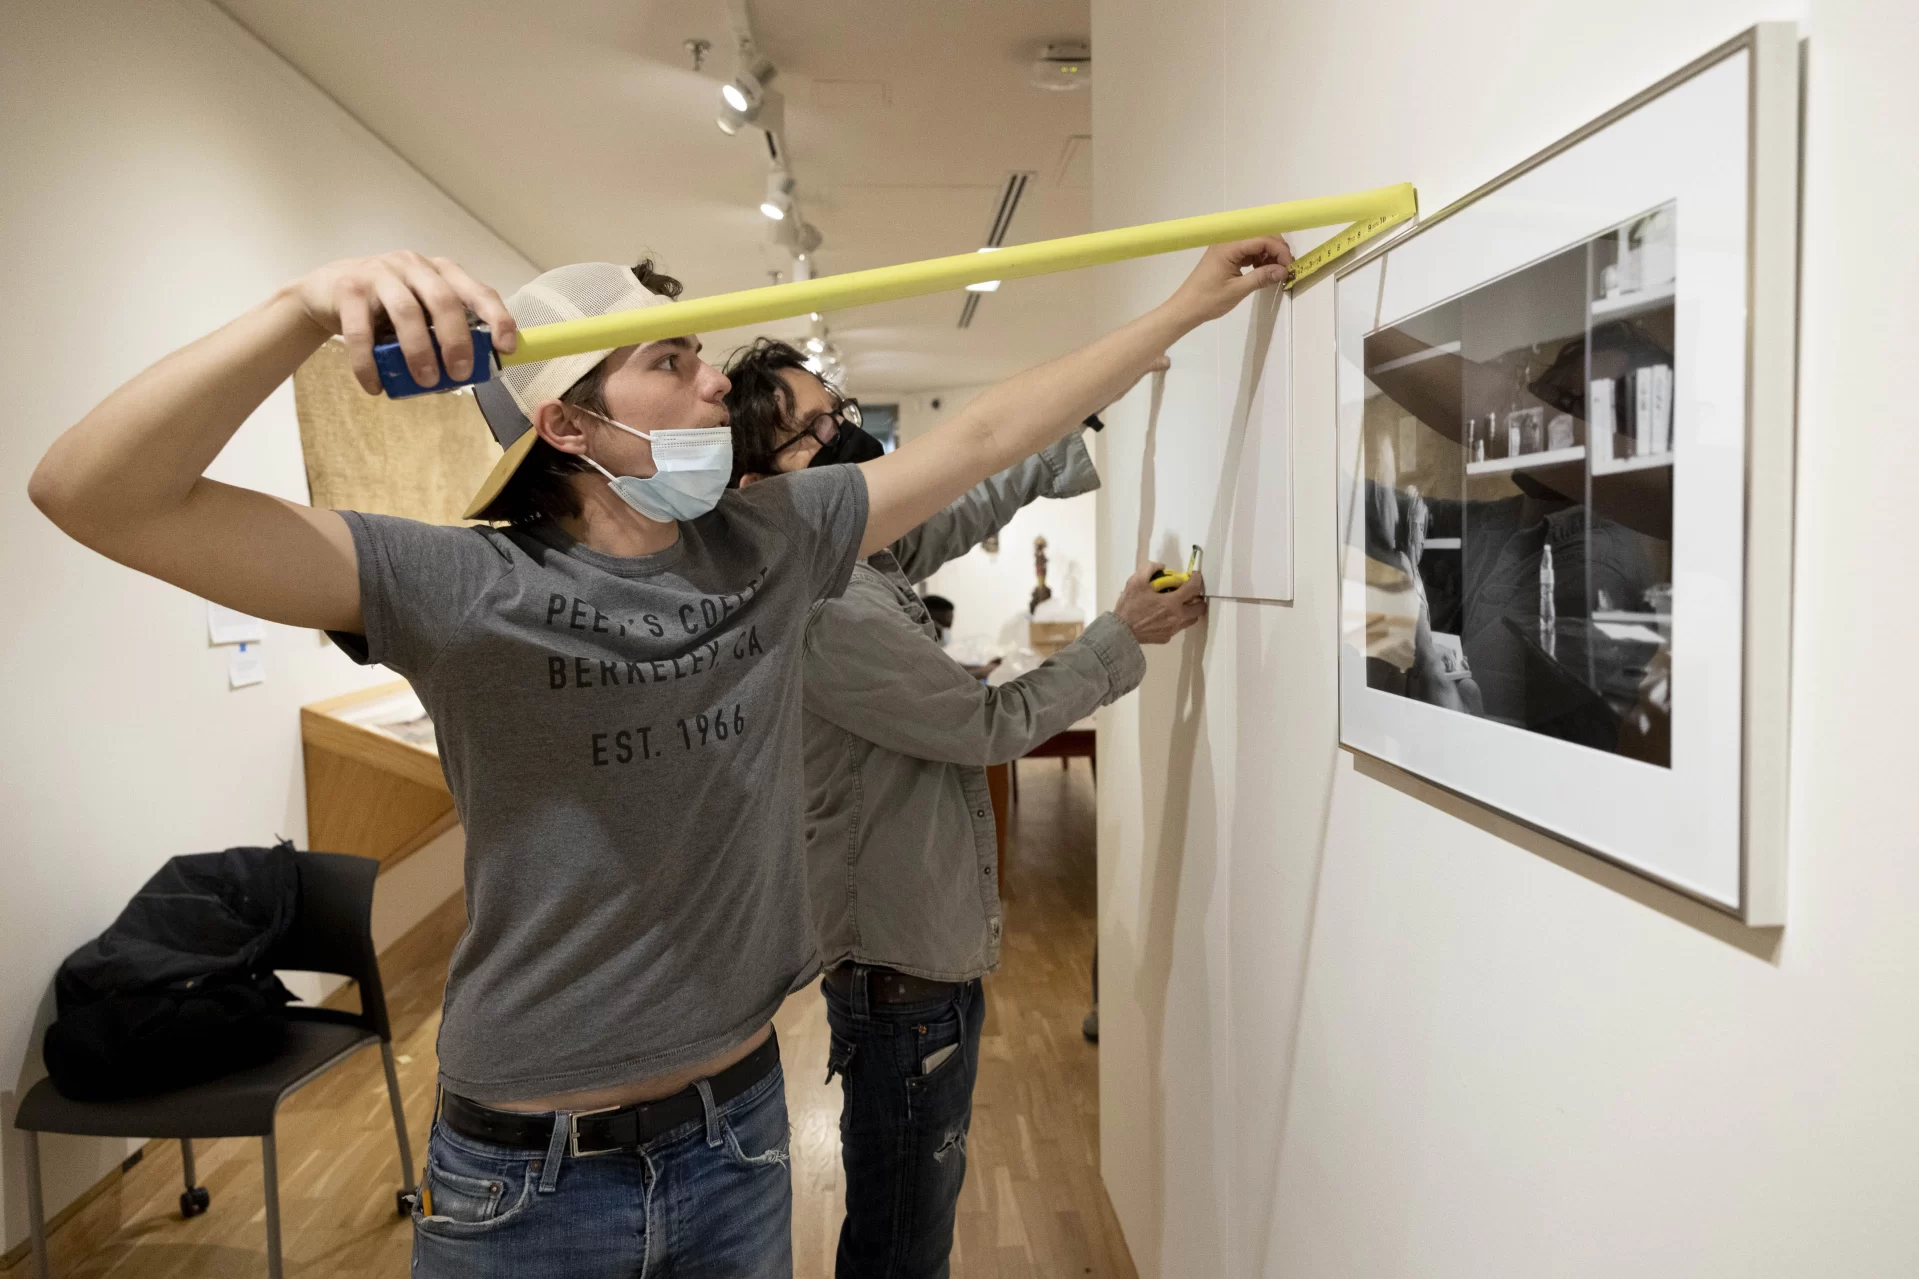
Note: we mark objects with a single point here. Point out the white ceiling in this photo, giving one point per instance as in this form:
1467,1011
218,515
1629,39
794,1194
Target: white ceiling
578,130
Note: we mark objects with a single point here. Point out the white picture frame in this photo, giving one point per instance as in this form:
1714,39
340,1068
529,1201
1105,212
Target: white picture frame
1566,413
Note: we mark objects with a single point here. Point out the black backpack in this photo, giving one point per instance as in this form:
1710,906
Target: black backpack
179,989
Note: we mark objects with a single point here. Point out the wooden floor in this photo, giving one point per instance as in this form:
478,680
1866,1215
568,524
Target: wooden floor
1033,1202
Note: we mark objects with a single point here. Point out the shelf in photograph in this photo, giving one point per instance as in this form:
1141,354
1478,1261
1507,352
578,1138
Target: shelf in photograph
1430,353
1442,543
1621,465
1626,616
1626,303
1527,461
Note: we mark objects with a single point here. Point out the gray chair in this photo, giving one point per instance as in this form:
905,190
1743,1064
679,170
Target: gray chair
332,933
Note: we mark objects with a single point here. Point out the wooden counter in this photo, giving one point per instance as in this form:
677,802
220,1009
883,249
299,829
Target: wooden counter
371,792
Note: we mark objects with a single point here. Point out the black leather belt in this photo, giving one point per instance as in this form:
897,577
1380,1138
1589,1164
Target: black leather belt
597,1132
890,986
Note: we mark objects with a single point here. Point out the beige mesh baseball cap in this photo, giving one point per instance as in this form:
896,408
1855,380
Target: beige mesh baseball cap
509,398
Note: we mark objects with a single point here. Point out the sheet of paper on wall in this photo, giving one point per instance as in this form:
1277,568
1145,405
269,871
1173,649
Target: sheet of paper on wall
1250,555
248,665
229,626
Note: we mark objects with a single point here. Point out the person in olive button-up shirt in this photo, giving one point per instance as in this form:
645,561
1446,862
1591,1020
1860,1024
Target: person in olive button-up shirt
901,840
899,828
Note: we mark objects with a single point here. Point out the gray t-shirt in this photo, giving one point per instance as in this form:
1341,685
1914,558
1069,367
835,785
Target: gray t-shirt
622,739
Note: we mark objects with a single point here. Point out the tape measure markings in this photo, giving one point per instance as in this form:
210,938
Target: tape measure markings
1323,254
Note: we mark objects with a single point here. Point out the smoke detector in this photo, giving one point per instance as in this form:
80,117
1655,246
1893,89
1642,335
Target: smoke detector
1062,67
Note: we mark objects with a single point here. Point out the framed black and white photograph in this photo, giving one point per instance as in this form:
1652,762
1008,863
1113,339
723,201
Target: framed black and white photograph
1566,410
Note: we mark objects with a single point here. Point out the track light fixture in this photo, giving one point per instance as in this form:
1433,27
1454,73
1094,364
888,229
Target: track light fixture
743,95
779,195
749,99
827,362
823,357
794,234
741,101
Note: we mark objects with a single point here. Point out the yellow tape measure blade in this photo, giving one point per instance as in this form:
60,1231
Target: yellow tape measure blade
1382,207
1325,253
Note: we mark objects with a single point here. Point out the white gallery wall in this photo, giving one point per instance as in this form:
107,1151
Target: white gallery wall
163,173
1351,1026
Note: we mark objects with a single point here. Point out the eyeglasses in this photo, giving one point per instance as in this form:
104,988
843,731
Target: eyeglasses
827,426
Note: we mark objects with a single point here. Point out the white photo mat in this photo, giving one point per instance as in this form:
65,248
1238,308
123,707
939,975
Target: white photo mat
1711,141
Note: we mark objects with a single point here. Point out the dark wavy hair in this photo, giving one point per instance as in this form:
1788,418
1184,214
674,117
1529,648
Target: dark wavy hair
542,488
760,403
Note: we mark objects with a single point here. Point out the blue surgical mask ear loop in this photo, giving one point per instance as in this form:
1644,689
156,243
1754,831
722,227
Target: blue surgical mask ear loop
610,477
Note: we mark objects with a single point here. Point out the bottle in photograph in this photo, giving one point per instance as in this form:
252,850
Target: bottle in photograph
1560,433
1661,408
1659,601
1532,429
1642,412
1548,609
1601,419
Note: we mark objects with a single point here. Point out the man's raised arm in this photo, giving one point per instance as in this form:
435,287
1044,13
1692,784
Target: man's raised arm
128,479
1024,414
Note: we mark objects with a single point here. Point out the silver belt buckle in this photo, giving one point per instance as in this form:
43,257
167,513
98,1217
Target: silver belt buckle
573,1133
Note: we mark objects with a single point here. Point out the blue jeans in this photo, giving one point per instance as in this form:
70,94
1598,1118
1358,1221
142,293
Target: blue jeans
902,1126
705,1200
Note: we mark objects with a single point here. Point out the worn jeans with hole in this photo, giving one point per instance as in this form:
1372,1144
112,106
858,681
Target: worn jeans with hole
707,1200
902,1128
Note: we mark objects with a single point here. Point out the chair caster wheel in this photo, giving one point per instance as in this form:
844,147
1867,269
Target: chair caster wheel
403,1201
194,1202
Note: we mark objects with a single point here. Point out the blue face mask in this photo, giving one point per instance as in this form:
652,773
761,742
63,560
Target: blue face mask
693,467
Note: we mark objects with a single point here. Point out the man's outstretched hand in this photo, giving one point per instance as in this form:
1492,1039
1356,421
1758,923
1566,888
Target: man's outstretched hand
1154,617
1226,275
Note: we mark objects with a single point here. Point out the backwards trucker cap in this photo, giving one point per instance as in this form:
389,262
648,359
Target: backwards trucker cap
508,399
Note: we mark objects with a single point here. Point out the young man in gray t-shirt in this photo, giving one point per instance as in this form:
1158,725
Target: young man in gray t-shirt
613,680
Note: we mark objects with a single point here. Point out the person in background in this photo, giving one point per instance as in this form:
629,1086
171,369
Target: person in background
940,609
901,842
613,671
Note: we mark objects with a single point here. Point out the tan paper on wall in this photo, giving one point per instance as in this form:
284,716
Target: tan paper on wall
422,458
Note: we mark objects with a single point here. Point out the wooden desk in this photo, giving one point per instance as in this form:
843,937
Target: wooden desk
1077,742
370,792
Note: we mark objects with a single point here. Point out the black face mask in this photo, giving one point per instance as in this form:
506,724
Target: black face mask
850,445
